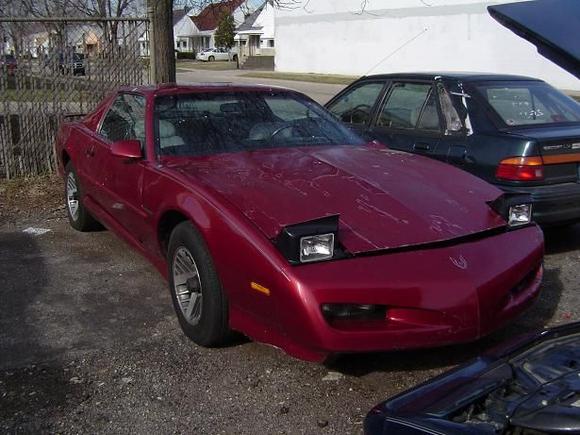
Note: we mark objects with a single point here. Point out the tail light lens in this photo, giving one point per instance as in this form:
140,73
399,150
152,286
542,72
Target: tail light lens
521,169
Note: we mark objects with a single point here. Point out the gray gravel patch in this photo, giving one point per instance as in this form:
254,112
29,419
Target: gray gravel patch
89,344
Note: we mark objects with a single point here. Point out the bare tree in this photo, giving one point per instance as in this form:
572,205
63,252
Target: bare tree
12,31
201,4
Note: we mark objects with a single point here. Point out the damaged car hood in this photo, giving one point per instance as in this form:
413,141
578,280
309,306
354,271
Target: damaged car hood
385,199
551,25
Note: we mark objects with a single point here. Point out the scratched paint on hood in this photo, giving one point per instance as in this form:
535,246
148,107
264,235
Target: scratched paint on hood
385,198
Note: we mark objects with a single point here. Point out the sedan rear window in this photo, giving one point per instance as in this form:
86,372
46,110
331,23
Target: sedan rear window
520,103
217,122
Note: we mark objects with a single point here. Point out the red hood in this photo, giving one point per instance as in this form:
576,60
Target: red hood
385,198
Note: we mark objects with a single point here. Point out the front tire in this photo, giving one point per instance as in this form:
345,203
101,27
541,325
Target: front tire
198,298
210,59
78,216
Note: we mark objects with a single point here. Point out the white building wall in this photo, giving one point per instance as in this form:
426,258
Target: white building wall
336,36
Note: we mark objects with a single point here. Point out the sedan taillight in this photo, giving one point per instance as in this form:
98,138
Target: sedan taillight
521,169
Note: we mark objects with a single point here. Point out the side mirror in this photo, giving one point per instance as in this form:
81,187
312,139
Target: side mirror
129,149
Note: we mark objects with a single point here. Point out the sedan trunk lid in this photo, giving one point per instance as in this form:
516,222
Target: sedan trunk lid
560,151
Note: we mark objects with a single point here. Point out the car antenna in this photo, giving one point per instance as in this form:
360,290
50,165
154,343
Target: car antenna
400,47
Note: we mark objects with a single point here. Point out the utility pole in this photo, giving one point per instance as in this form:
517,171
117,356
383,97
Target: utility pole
161,50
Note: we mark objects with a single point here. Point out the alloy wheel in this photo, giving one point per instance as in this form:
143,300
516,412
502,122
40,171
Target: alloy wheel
187,285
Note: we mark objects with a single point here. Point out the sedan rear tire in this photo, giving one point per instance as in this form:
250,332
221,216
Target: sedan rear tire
78,216
198,298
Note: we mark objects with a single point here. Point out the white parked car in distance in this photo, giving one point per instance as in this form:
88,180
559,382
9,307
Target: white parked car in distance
212,54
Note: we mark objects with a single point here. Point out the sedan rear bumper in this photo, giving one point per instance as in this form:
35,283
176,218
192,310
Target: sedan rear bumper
432,297
553,204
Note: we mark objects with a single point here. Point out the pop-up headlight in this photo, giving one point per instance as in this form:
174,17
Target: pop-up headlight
316,248
309,241
520,214
514,207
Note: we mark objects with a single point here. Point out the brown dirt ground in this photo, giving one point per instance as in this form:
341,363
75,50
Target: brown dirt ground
26,197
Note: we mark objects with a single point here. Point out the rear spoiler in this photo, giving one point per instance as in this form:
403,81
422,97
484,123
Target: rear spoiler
74,116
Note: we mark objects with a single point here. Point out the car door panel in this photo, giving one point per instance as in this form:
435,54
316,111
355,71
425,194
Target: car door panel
127,185
95,169
124,182
457,154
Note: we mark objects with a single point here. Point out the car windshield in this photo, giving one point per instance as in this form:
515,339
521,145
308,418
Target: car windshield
218,122
520,103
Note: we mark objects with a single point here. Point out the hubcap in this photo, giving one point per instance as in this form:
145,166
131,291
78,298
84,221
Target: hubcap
187,285
72,198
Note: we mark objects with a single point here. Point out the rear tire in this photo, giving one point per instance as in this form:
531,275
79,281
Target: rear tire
78,216
198,298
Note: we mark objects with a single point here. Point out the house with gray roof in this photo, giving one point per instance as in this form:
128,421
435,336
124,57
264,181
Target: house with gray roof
255,36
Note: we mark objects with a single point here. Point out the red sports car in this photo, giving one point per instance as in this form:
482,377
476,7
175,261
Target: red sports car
269,217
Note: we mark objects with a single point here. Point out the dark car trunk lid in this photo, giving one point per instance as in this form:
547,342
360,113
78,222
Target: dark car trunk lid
551,25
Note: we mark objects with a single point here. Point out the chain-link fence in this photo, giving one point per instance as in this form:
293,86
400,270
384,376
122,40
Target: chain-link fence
53,68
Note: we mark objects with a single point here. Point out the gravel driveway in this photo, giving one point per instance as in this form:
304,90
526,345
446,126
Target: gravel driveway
89,344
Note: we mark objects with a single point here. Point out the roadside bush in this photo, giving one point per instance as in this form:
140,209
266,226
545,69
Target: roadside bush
185,55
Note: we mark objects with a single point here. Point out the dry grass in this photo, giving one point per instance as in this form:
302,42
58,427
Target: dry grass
24,197
331,79
190,65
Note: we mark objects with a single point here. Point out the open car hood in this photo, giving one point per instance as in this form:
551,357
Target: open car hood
551,25
529,385
384,199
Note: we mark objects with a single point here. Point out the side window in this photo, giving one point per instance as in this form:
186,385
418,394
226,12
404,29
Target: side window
355,106
410,106
125,119
429,119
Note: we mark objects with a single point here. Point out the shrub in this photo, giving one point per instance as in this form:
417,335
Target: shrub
185,55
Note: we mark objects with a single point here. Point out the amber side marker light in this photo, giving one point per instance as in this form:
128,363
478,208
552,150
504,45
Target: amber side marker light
521,169
260,288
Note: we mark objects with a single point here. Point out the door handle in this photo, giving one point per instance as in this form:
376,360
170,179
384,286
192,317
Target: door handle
421,146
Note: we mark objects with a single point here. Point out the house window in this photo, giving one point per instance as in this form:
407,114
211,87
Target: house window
184,44
271,43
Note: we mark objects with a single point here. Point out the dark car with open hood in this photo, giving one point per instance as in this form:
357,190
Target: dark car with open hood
529,386
269,217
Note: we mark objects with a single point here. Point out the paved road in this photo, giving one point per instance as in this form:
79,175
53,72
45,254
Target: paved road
317,91
89,343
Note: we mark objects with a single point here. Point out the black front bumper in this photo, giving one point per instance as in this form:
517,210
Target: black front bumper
552,204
